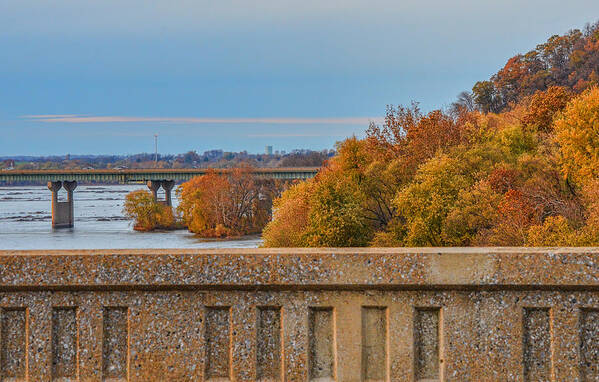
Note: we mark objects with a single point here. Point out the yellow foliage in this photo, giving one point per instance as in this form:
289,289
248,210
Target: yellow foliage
475,212
337,218
147,213
577,134
385,239
495,180
290,217
555,231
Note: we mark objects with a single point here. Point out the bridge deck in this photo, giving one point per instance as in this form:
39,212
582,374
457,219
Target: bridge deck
142,175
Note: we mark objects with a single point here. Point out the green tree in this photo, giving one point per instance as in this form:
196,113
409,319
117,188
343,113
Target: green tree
485,96
336,217
440,183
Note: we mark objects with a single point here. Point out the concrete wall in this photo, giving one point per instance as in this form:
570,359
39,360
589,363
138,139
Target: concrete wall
298,315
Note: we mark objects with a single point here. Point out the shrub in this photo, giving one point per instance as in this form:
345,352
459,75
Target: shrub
147,213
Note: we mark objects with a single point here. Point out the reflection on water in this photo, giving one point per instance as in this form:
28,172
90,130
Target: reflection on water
26,222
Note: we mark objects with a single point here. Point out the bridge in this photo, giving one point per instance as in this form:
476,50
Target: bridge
124,176
63,211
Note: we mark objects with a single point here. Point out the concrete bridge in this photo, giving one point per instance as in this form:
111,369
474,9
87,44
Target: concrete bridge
63,211
288,314
124,176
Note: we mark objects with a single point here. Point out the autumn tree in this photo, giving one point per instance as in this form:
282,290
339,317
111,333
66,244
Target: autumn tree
410,135
544,105
226,204
577,134
290,217
512,163
515,216
428,200
569,60
203,201
486,98
147,213
336,218
336,208
473,215
555,231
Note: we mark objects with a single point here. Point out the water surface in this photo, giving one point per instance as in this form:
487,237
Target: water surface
26,222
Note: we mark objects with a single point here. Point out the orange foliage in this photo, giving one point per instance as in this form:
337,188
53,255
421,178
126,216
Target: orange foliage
219,205
488,172
515,215
544,105
570,60
503,179
414,137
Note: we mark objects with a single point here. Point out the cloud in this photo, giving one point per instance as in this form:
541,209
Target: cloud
74,118
43,116
290,135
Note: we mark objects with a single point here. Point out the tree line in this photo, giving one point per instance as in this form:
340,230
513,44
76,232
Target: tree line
570,60
190,159
513,163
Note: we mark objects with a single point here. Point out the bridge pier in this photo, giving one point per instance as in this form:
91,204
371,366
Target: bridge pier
63,213
167,186
154,186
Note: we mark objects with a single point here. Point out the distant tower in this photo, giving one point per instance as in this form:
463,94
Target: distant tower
155,149
268,150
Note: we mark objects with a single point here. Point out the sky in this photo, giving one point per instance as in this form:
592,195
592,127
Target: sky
104,76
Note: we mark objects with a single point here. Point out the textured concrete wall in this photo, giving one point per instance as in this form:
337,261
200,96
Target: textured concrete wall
298,315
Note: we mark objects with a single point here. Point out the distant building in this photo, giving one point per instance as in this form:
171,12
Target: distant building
8,164
268,150
213,154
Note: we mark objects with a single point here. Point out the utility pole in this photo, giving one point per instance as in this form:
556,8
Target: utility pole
155,150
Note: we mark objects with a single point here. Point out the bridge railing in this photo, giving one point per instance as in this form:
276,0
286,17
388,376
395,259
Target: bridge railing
475,314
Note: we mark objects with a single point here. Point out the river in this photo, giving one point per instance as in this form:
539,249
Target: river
26,222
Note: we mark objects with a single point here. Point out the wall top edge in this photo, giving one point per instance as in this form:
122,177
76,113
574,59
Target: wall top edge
348,267
309,251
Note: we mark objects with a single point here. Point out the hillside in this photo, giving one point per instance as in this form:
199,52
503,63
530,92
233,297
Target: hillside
514,163
570,61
